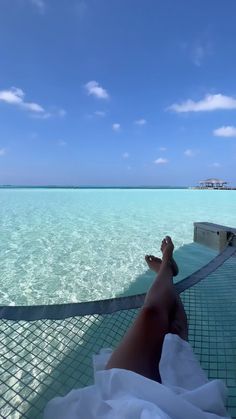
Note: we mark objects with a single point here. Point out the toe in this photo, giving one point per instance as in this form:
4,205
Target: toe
157,259
163,243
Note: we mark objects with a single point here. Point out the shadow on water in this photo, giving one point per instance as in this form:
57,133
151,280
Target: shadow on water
75,367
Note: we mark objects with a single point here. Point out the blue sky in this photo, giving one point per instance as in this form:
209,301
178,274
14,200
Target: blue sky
117,92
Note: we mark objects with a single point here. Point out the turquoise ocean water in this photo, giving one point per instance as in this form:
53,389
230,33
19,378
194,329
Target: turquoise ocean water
67,245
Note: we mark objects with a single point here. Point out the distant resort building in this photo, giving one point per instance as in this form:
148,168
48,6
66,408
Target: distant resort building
213,183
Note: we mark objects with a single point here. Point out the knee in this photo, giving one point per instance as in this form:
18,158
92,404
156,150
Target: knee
154,315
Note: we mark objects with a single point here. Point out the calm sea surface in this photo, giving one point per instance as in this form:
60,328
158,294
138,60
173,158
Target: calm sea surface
67,245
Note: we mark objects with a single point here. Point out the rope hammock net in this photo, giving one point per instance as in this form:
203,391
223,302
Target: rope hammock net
47,350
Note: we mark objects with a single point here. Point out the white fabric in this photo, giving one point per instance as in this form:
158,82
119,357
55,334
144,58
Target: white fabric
185,392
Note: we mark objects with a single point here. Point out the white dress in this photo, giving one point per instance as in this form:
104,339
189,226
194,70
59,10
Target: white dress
185,392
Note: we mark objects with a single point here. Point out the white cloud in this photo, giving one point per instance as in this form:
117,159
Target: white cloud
2,151
225,131
140,122
32,107
125,155
161,160
43,115
40,4
116,127
53,112
197,51
215,164
16,97
94,89
209,103
100,113
201,50
162,148
190,153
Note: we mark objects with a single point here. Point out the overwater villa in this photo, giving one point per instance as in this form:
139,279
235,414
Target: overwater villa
213,183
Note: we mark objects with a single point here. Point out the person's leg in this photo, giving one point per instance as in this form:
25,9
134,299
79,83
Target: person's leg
179,321
140,349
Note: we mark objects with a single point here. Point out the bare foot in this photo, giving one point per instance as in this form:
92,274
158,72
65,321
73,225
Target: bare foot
167,248
154,262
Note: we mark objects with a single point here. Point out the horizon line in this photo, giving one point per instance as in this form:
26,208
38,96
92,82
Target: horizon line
91,186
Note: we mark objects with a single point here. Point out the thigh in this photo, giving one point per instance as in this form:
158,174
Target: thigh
140,348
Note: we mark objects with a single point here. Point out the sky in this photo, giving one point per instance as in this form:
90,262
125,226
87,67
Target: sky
117,92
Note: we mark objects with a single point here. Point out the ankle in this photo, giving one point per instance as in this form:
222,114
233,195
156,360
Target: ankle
166,260
166,266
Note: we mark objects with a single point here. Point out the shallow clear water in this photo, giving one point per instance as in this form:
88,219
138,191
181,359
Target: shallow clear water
64,245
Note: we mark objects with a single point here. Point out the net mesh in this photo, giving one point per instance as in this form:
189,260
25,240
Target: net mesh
44,358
